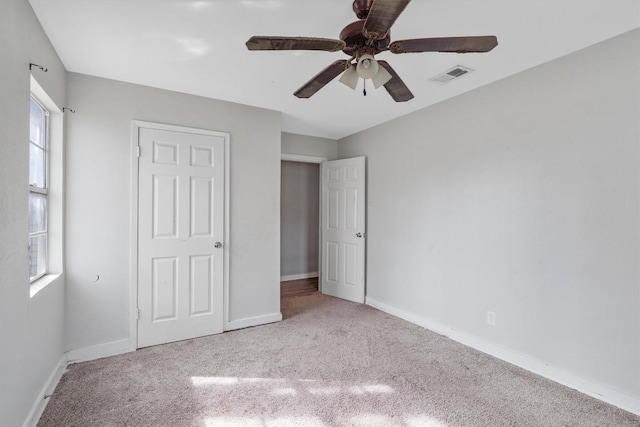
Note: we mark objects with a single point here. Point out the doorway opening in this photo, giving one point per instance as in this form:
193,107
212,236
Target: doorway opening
341,228
299,225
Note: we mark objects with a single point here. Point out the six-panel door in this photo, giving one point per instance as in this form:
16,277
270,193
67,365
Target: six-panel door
343,228
181,217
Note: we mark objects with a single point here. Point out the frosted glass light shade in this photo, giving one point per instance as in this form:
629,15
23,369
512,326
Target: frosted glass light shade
367,66
381,77
350,77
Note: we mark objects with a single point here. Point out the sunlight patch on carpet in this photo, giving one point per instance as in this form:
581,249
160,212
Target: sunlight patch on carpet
371,389
203,381
424,421
373,420
285,387
258,422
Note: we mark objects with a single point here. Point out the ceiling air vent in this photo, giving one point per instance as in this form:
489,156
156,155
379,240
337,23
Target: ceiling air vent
452,74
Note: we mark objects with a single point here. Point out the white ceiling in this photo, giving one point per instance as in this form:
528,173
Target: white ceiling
197,47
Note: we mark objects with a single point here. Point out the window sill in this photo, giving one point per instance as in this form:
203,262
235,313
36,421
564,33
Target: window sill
42,283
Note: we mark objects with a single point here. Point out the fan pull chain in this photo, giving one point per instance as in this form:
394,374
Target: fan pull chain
364,91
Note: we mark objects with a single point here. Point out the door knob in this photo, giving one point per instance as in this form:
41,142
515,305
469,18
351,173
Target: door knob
359,235
217,245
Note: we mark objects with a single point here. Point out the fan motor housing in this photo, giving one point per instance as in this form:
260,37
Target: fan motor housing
361,8
355,40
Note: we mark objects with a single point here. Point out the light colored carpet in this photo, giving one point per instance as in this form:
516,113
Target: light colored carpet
329,363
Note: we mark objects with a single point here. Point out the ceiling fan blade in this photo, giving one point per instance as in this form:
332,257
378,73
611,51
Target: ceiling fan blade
294,43
322,78
445,44
396,87
382,15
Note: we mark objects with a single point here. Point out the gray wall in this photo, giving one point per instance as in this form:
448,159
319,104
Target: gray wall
31,329
521,197
299,218
99,200
309,146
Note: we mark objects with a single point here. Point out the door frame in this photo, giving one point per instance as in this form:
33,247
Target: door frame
317,160
136,125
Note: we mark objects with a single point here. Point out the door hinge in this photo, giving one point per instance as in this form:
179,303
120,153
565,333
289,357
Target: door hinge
138,151
138,313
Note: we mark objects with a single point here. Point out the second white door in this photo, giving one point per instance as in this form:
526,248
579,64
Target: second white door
343,229
180,235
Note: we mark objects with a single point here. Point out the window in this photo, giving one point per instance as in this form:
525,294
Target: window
38,190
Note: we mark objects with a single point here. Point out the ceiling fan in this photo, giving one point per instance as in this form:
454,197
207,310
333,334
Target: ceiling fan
362,40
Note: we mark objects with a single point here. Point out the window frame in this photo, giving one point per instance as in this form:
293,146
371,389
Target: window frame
34,189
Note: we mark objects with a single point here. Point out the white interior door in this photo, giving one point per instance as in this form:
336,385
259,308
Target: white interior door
180,235
343,229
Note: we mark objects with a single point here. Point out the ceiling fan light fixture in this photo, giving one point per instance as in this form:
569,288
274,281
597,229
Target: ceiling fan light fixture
350,77
381,78
362,40
367,66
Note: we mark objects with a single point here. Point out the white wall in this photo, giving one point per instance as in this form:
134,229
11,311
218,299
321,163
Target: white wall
98,201
299,218
309,146
521,197
31,329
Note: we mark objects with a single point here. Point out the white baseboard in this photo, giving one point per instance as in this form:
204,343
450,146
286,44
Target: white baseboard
80,355
98,351
253,321
566,378
41,401
299,276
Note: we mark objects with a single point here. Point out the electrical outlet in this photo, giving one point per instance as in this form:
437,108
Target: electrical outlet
491,318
